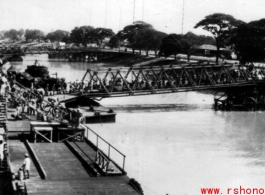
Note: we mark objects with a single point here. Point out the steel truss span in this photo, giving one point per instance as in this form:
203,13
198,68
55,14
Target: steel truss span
103,83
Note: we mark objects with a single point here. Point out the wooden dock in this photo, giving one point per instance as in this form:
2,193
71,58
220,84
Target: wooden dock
60,168
65,173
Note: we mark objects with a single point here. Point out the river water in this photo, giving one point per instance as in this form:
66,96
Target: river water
176,144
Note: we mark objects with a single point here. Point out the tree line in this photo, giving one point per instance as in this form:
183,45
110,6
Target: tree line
79,35
246,39
137,36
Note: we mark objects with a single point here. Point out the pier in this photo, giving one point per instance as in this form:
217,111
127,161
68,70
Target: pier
63,160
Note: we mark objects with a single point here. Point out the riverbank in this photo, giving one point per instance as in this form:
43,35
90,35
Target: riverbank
136,61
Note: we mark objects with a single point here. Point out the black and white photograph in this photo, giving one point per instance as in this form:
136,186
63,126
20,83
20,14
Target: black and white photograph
132,97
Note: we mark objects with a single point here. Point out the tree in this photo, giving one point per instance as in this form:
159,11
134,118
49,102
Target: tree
157,40
57,35
187,47
21,33
83,35
131,33
67,39
171,45
13,34
101,34
190,41
149,39
2,34
248,41
114,42
221,26
34,35
143,39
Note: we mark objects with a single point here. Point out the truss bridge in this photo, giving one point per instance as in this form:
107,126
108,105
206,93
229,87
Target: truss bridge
148,80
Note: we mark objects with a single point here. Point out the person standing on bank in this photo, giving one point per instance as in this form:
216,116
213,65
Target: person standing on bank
2,148
26,166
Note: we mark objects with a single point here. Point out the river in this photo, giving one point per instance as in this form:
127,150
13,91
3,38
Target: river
176,144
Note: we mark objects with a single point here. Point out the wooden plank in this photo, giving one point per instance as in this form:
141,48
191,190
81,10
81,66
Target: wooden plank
43,128
39,123
37,161
67,176
39,130
17,150
70,133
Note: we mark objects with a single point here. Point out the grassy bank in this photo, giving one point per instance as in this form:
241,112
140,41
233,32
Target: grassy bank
131,60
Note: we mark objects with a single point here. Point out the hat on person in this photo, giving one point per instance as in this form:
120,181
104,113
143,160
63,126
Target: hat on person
26,154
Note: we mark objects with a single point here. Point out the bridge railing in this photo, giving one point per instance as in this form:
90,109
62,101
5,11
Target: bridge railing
106,148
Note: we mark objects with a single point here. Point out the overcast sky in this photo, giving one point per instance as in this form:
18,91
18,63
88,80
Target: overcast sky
164,15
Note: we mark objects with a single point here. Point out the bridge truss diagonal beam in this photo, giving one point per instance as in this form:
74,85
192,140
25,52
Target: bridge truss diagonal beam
167,79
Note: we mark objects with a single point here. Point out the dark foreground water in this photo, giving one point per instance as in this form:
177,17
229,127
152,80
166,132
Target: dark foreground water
176,143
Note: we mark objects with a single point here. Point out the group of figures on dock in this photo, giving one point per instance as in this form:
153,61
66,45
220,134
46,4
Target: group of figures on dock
34,102
37,101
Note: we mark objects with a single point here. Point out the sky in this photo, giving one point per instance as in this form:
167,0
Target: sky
164,15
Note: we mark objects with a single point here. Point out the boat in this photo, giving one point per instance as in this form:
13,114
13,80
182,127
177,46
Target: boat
38,71
15,58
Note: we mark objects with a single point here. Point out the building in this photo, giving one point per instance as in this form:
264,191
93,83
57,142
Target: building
211,51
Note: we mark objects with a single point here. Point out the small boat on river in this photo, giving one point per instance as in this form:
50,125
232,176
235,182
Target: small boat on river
39,76
37,70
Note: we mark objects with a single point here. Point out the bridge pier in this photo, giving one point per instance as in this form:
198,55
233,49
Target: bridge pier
84,57
242,100
58,55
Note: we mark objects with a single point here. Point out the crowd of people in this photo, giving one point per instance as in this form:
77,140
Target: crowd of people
29,102
32,101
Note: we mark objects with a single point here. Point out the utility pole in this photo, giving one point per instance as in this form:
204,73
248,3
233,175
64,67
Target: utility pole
106,13
143,12
133,9
90,12
183,16
120,20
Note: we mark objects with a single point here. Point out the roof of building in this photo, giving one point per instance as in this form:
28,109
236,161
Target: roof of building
207,47
211,47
